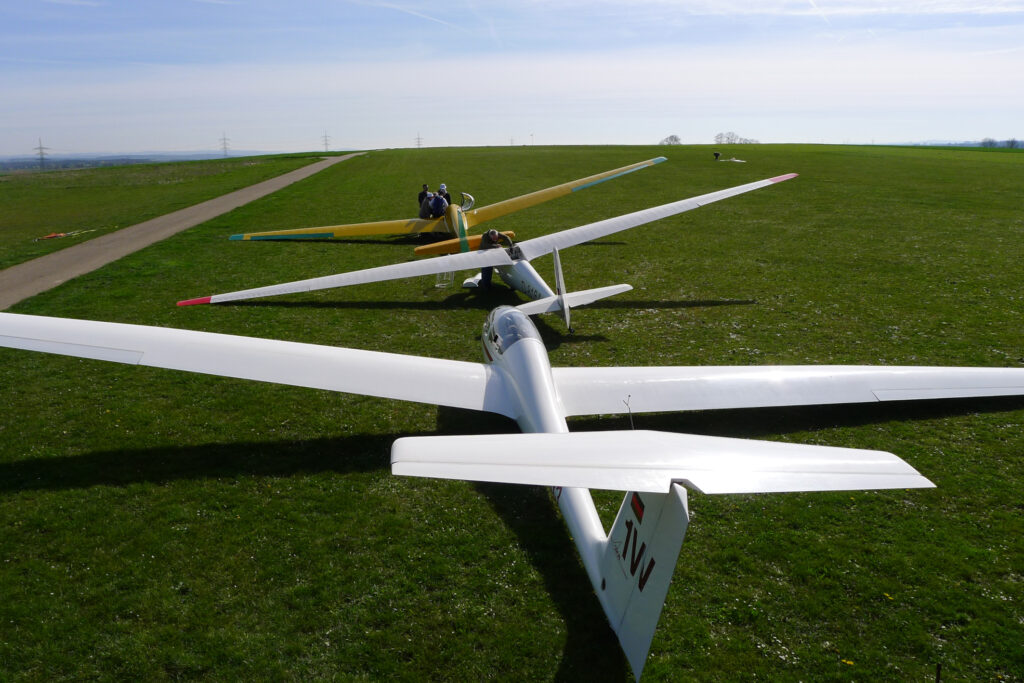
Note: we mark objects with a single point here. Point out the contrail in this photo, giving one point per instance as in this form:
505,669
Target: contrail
820,13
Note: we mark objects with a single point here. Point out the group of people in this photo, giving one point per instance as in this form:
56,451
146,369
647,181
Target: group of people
433,204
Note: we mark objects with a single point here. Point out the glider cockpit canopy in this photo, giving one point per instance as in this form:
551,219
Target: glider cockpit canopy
505,326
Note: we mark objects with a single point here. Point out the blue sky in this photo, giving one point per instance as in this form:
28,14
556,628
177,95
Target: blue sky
142,75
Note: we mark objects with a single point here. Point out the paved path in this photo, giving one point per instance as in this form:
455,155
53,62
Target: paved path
46,272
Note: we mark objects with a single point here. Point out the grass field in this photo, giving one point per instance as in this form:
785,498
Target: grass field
158,525
92,202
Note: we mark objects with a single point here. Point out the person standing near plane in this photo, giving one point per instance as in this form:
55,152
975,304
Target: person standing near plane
490,240
443,191
423,195
438,204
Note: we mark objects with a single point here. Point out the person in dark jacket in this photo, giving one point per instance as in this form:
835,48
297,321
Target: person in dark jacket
490,240
423,195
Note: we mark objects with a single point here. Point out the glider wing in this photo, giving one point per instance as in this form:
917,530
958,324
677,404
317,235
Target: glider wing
539,246
605,391
457,384
441,264
508,206
397,227
651,461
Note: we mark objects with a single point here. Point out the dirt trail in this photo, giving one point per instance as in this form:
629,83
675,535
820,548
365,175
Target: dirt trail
46,272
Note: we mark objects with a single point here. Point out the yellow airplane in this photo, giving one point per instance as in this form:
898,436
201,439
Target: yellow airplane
456,221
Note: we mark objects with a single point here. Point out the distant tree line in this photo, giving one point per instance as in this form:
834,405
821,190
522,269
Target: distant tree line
1011,143
731,138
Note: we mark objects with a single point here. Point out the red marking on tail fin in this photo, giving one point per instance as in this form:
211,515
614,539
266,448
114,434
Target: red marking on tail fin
638,507
193,302
780,178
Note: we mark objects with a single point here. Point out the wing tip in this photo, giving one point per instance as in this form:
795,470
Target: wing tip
785,176
194,302
237,237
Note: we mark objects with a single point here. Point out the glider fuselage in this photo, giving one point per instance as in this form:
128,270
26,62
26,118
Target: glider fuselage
523,277
513,347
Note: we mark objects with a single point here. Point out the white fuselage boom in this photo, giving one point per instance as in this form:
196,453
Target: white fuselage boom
514,348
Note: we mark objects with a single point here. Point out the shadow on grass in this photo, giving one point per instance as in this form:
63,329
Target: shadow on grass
752,423
210,461
415,240
482,300
591,650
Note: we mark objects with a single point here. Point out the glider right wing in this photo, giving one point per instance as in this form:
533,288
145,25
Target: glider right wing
615,390
503,208
539,246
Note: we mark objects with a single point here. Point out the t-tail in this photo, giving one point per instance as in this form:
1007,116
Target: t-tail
637,566
564,300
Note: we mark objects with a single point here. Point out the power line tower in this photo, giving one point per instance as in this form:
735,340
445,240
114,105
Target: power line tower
327,141
419,141
42,154
224,143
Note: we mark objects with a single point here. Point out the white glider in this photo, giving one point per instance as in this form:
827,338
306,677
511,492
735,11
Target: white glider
513,265
630,568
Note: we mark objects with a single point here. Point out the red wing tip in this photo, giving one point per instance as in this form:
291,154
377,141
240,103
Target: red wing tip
780,178
193,302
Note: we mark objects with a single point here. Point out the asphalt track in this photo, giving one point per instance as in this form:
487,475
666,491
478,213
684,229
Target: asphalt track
46,272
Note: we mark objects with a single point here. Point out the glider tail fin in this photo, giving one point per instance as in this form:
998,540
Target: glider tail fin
564,300
560,289
638,564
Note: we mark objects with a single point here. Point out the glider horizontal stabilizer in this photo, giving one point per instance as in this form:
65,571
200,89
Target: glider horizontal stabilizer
651,461
553,304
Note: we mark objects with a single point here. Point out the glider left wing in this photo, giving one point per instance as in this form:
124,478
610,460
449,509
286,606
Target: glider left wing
458,384
610,391
397,227
442,264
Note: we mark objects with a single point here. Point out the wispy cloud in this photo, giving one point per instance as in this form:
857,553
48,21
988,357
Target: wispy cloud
77,3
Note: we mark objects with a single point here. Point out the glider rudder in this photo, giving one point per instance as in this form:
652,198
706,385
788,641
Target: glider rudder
637,566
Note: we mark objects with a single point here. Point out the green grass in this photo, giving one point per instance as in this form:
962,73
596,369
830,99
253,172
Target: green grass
159,525
92,202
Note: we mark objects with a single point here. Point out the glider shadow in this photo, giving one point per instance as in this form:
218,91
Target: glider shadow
172,463
756,423
530,513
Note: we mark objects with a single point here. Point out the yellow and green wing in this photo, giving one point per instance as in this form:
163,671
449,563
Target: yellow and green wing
503,208
398,227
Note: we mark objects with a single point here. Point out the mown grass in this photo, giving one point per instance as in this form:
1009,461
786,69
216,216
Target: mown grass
160,525
92,202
